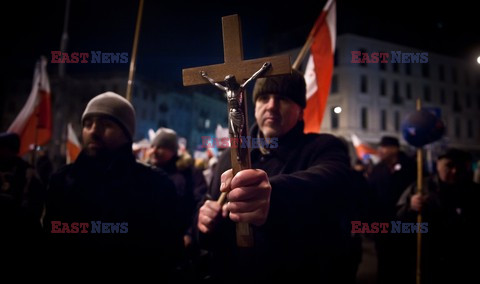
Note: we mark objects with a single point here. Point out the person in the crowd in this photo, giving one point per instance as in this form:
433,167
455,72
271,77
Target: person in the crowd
22,196
179,169
296,198
476,174
388,179
129,208
449,210
43,165
359,166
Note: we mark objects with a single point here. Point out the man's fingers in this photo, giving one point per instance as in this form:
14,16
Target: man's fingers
203,228
225,210
202,224
205,220
257,217
226,180
249,192
243,207
208,214
210,207
248,177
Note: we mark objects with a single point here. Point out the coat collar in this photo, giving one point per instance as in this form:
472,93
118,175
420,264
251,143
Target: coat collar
286,143
111,162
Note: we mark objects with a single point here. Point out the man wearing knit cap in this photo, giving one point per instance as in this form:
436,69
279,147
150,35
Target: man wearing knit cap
388,180
292,197
179,169
129,208
165,146
449,207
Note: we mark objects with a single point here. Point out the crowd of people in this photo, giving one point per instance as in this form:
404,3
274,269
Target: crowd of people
162,215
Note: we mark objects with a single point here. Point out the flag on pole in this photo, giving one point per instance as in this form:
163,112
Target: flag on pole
73,145
318,73
34,122
363,149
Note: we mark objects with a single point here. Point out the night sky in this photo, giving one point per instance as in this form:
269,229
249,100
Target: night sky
176,35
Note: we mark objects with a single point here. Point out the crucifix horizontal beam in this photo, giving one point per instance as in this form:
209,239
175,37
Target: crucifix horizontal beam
233,57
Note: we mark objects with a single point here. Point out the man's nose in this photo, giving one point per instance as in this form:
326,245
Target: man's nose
95,127
453,170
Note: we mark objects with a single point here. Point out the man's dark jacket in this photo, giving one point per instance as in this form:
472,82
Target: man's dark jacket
387,185
115,189
307,233
449,241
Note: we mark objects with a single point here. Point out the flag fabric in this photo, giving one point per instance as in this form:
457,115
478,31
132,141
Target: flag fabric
142,149
34,122
318,73
363,149
73,145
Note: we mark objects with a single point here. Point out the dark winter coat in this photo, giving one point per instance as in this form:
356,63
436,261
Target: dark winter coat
22,197
449,241
115,189
180,171
307,233
387,186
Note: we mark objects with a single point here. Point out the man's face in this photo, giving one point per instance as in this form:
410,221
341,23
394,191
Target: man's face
161,156
101,135
450,172
387,152
276,115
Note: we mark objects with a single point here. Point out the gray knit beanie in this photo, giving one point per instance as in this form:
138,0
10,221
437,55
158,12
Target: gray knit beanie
116,107
166,138
291,86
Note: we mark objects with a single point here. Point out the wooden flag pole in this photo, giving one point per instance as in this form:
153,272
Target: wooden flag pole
419,216
64,40
303,52
133,60
33,158
37,122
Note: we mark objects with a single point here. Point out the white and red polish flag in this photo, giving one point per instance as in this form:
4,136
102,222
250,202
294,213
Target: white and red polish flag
73,145
34,122
318,73
363,148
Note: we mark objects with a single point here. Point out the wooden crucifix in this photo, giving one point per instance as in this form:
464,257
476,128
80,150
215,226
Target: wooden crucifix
236,73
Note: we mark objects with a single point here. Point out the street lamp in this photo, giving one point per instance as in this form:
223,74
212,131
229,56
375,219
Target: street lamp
337,110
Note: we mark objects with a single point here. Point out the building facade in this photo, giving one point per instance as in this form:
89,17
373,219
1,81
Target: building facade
375,98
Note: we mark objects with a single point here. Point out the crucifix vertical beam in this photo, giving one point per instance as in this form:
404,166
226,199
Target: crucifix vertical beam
232,39
241,70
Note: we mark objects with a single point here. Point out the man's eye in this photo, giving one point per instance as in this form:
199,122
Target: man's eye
87,123
108,123
263,98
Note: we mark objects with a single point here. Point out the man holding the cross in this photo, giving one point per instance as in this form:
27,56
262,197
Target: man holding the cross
295,197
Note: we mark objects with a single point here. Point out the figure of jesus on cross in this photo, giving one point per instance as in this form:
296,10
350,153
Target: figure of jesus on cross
235,93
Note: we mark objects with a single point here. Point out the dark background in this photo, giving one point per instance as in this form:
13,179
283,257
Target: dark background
177,34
